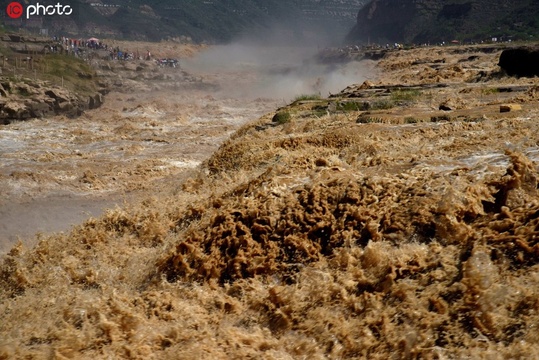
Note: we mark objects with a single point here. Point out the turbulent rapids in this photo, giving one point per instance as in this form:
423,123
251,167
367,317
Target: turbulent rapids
396,219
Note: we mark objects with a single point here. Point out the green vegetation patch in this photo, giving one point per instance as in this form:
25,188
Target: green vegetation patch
305,97
440,118
319,113
490,91
353,106
67,70
282,117
382,105
405,95
368,119
411,120
23,91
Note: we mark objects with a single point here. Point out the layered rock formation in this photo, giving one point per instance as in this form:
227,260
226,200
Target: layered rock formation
26,98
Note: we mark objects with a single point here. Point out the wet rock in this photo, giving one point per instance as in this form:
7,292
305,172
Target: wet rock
28,98
84,75
40,109
104,91
3,92
447,105
57,95
510,107
91,102
453,103
7,85
26,90
366,85
521,62
64,106
95,101
15,110
321,162
440,118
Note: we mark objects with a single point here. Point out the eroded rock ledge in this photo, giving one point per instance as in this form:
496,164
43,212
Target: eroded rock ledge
24,98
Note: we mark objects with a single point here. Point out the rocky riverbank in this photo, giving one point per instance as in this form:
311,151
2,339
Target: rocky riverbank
24,98
38,83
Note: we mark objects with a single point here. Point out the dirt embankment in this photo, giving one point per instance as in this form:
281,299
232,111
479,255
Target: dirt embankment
397,219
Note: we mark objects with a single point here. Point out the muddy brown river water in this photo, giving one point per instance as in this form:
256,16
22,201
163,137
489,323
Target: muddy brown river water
57,172
401,232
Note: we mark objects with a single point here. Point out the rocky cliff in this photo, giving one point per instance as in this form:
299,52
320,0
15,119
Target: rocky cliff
36,83
24,98
424,21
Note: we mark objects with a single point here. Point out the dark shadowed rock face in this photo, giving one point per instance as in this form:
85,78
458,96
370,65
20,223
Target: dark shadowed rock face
521,62
383,20
455,11
430,21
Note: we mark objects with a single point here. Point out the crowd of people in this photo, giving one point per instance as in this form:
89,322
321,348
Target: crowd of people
75,46
91,43
81,47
